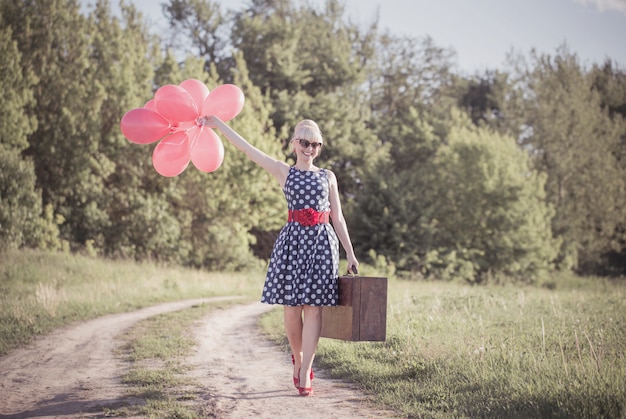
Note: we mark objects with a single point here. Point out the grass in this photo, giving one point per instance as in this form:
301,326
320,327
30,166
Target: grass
497,351
40,291
452,350
155,349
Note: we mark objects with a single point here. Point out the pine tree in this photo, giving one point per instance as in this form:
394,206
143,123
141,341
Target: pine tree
22,221
54,41
572,138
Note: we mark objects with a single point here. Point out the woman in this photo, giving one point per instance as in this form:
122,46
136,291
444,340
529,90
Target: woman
304,265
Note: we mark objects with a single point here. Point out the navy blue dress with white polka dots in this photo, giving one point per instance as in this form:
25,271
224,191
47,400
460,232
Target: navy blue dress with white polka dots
304,264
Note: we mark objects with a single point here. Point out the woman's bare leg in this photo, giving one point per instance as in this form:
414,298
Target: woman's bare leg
293,328
311,330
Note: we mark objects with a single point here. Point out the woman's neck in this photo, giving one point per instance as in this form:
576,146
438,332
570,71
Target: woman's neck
306,166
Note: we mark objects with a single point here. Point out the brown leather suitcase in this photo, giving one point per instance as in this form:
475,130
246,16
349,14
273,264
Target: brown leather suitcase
362,311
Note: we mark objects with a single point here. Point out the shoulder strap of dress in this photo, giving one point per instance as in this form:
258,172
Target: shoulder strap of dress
326,175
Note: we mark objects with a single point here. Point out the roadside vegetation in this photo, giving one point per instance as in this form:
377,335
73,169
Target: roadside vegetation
155,349
452,349
40,290
455,350
503,175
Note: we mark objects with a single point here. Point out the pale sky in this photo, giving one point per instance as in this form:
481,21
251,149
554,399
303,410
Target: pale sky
482,32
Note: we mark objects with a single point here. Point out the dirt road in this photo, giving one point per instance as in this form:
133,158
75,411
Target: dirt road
74,373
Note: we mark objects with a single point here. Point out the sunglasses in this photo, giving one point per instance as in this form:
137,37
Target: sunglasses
305,143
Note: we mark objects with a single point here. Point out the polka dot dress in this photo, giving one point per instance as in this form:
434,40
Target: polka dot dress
305,260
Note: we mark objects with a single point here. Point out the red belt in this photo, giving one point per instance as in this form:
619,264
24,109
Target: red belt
308,217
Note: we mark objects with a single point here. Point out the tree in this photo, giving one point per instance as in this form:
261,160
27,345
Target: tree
474,210
315,73
574,141
483,97
407,77
610,82
54,40
141,223
385,216
199,23
218,211
22,222
408,73
411,80
490,211
296,53
15,124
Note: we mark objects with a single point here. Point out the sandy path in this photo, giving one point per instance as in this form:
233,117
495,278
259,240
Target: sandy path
73,369
246,376
73,372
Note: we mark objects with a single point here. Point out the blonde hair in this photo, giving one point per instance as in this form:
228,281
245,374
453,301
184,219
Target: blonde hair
307,129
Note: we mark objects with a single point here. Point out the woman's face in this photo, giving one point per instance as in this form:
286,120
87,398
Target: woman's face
307,149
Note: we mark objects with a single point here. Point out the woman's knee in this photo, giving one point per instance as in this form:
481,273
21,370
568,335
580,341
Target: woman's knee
312,312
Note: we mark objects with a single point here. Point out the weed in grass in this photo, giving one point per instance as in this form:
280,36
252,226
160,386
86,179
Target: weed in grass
167,409
47,296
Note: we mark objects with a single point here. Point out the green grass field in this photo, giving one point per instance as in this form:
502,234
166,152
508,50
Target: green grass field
40,291
452,350
496,351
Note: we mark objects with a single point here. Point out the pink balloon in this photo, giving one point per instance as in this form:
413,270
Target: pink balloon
198,91
151,104
175,104
143,126
207,150
225,102
171,155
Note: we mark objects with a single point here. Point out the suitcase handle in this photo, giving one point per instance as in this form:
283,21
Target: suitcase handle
355,271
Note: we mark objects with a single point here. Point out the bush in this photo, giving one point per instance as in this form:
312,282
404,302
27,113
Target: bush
22,222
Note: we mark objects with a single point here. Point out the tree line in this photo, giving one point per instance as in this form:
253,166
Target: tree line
504,175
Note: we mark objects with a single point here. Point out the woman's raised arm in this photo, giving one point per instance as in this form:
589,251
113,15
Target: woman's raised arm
277,168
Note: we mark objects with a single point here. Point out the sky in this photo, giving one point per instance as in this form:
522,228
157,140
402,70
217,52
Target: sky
483,32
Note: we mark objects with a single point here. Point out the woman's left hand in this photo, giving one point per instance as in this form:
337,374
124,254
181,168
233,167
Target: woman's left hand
353,266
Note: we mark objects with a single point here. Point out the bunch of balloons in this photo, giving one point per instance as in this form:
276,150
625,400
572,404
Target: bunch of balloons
176,117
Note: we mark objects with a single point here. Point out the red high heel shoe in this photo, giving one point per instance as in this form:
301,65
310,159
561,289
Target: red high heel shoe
295,379
305,391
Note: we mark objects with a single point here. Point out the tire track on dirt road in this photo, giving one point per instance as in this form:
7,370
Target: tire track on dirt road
74,372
